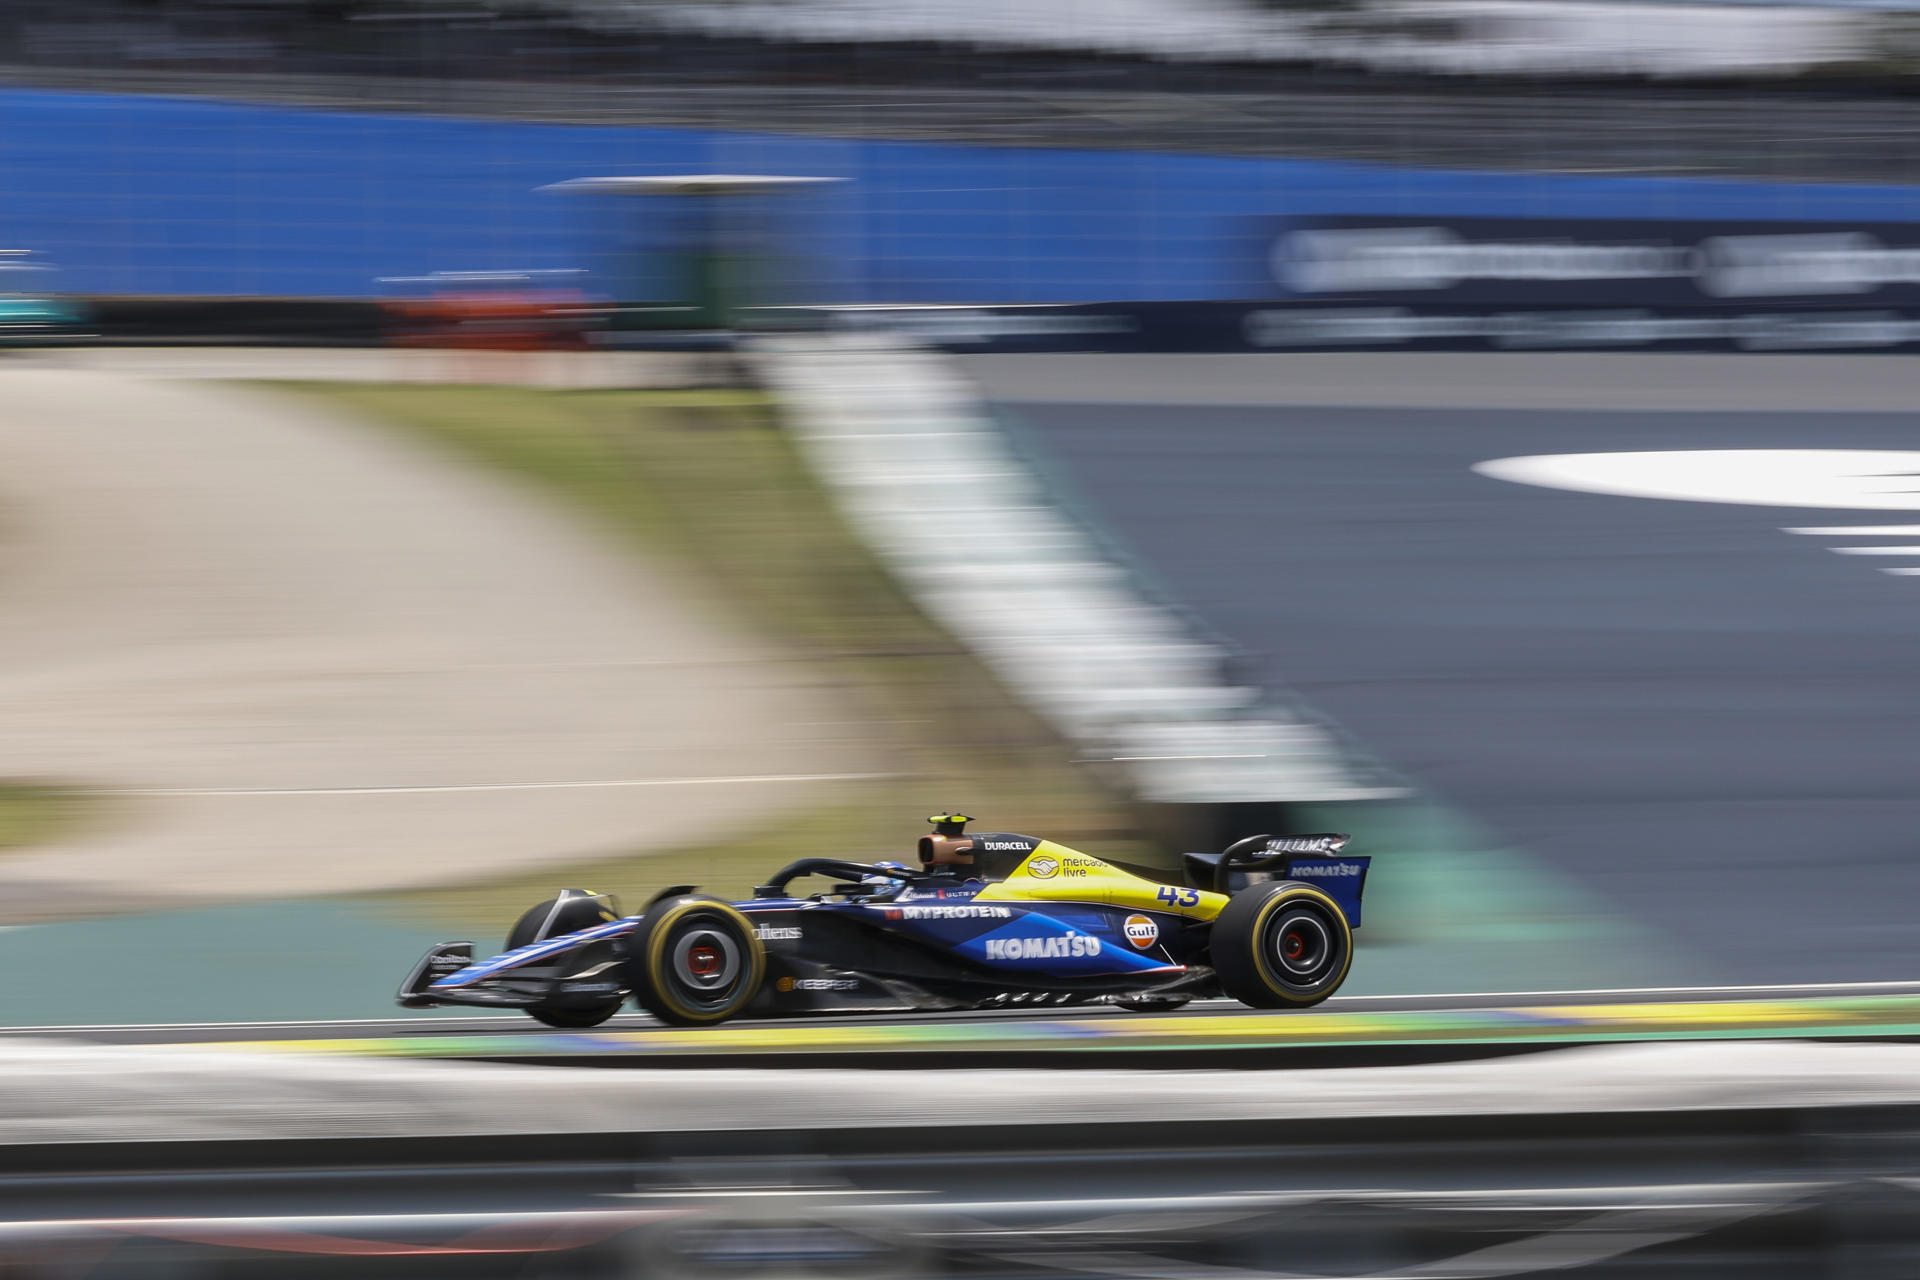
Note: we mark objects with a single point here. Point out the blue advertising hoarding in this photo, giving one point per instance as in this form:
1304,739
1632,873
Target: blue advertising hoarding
150,195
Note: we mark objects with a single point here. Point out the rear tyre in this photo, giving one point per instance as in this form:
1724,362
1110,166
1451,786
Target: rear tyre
550,919
695,961
1281,945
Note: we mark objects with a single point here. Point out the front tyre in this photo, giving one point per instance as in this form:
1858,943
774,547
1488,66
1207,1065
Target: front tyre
1281,945
572,911
695,961
567,1019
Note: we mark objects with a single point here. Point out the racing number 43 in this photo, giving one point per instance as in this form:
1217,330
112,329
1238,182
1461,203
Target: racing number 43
1178,897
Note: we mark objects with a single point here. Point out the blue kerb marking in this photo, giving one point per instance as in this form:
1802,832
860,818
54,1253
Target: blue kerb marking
1531,1017
1072,1030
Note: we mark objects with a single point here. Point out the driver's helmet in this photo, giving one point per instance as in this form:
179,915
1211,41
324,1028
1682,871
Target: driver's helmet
949,846
946,851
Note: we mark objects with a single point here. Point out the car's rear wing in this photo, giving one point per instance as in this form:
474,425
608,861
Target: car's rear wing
1317,860
1342,879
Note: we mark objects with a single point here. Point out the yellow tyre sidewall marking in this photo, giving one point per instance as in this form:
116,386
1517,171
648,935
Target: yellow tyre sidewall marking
656,959
1259,933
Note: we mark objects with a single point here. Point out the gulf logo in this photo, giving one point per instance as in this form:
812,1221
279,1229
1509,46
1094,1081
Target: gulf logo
1141,932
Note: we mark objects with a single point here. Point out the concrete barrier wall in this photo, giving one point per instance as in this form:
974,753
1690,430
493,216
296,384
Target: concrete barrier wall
1754,1159
1712,1159
61,1093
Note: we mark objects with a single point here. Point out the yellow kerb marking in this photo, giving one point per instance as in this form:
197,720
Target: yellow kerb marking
1745,1011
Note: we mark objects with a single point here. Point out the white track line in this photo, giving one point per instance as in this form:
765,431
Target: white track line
495,786
1867,531
425,1025
1859,531
422,1023
1647,991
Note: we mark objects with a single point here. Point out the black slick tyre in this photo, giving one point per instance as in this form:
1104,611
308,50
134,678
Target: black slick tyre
565,1019
1282,945
695,961
550,919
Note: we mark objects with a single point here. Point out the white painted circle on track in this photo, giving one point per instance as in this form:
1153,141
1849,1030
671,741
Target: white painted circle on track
1854,479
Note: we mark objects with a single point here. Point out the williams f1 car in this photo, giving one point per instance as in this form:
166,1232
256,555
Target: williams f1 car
985,921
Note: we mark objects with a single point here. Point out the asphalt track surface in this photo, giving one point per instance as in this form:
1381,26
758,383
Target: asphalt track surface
1711,724
1413,1026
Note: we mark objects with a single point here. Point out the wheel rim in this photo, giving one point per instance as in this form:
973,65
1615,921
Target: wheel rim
705,963
1301,948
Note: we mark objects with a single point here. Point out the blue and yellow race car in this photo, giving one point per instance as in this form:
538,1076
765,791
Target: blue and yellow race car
985,921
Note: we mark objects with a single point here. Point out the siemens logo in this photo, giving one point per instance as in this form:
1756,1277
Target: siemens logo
1041,948
1327,869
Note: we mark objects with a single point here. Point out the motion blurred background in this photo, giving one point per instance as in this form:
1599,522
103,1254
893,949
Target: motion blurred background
452,451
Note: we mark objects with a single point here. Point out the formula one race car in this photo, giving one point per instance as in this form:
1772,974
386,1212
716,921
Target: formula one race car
985,921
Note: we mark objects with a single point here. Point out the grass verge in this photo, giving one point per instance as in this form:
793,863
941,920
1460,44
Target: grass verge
706,482
35,813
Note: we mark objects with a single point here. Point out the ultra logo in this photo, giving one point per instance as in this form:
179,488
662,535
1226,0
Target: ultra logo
1141,932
